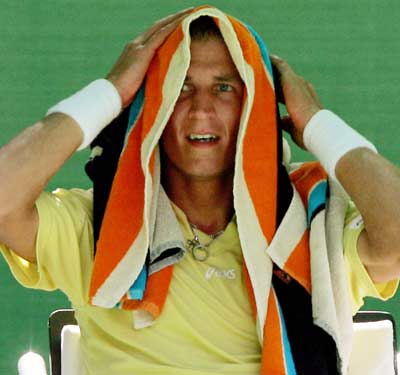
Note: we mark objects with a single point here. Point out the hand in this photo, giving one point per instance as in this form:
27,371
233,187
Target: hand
131,67
299,97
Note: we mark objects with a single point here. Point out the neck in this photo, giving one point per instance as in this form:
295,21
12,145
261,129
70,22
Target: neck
208,204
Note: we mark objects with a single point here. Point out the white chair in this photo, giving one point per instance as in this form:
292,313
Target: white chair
374,349
71,360
374,346
65,356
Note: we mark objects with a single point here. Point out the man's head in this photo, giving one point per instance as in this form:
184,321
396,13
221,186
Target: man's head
200,138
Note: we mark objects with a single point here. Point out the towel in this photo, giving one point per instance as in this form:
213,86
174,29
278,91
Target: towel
293,235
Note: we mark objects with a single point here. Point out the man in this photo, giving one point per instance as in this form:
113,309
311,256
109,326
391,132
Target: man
206,325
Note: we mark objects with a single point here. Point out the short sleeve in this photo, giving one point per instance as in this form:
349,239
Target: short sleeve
64,245
361,285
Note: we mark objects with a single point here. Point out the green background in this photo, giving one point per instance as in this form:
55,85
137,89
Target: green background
348,49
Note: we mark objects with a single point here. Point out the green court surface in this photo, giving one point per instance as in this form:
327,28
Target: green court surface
348,49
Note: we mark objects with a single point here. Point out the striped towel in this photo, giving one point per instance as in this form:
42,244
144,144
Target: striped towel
291,235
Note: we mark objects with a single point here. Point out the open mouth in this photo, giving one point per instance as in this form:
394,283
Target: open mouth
204,138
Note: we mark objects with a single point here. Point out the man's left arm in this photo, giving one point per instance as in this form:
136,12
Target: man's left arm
372,182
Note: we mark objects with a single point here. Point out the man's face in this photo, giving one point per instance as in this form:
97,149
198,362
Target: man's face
199,140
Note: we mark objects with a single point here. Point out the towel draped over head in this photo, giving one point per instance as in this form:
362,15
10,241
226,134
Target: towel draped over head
126,226
125,202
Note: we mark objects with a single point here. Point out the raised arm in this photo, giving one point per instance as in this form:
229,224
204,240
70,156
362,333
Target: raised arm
29,161
372,182
26,165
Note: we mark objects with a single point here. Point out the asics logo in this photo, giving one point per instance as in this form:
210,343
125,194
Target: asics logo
229,274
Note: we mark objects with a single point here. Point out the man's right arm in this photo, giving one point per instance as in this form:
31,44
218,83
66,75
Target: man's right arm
26,165
29,161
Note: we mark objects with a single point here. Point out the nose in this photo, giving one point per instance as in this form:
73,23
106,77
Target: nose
202,106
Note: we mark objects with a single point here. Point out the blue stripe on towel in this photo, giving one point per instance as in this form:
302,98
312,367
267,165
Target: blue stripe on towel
287,351
136,291
316,199
263,49
135,109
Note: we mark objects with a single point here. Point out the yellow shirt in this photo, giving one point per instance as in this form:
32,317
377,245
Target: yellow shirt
206,327
361,284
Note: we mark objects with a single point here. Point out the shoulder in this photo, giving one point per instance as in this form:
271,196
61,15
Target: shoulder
73,199
65,209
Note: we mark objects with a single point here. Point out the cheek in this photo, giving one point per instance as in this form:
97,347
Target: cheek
233,113
176,119
170,136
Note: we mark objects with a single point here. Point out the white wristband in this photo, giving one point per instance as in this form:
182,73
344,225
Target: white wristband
328,137
93,107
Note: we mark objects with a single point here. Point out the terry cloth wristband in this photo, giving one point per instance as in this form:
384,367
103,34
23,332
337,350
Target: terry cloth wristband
93,107
328,137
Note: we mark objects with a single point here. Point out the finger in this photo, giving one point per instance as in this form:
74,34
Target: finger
160,24
161,35
158,34
281,65
282,73
158,37
288,126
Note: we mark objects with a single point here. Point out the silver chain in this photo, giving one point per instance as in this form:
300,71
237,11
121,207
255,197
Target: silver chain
200,251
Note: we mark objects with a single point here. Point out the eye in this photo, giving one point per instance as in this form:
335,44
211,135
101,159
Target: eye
224,87
185,87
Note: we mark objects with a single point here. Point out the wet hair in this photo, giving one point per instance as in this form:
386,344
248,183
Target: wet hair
204,28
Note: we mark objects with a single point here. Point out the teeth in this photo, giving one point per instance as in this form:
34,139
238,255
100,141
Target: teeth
202,137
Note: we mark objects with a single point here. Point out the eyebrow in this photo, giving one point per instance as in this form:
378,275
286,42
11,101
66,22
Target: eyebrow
228,77
221,78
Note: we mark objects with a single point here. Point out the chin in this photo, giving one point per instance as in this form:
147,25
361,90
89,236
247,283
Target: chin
211,174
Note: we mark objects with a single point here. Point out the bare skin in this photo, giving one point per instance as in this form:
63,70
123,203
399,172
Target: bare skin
53,139
198,174
371,181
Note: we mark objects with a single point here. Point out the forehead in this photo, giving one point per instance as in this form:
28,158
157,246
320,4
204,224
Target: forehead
211,54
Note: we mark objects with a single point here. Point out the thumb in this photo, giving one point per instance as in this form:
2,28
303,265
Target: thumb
287,125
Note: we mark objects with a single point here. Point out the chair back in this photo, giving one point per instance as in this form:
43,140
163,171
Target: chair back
374,349
57,320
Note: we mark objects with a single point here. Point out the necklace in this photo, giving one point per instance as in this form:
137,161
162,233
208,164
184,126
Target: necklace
200,251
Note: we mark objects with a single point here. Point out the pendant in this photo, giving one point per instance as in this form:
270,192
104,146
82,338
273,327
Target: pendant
199,251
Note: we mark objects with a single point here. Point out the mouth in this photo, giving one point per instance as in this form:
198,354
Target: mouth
203,138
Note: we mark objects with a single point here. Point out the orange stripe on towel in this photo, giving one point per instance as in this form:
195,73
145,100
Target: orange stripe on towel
298,264
155,294
123,217
155,79
273,359
124,213
306,177
260,141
